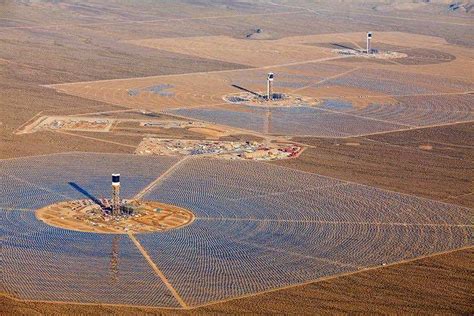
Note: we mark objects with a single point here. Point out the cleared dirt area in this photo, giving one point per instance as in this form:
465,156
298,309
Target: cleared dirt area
84,216
68,123
251,53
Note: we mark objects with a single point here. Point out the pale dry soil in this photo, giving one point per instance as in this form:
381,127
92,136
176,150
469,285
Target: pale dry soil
151,216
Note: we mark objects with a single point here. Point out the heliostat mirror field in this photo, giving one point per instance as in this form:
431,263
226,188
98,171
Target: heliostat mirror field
258,227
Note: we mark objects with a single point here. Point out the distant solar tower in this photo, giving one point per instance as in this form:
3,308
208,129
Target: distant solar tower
270,86
116,194
369,46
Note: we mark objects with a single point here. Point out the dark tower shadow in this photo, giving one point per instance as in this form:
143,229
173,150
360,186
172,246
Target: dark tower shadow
85,193
247,90
343,46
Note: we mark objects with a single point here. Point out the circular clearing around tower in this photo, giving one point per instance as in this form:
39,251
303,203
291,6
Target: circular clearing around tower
277,100
89,216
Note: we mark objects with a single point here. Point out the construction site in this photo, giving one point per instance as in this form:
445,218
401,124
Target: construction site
219,149
102,124
68,123
230,157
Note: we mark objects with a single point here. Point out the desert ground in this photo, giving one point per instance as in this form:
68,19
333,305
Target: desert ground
322,203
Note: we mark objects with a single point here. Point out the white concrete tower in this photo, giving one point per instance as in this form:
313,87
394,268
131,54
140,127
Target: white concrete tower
270,86
369,45
116,194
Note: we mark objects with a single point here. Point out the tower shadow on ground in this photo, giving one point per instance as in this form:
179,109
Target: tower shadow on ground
85,193
247,90
343,46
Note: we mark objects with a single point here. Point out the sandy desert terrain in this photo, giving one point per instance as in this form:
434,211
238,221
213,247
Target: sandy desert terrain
379,188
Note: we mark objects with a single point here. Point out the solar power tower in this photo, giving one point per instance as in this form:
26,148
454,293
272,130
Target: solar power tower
270,86
116,194
369,45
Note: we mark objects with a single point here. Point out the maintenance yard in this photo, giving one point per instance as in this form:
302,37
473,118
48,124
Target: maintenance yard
220,149
104,124
257,227
88,124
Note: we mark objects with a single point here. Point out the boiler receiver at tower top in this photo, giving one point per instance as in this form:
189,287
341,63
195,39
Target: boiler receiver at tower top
116,178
